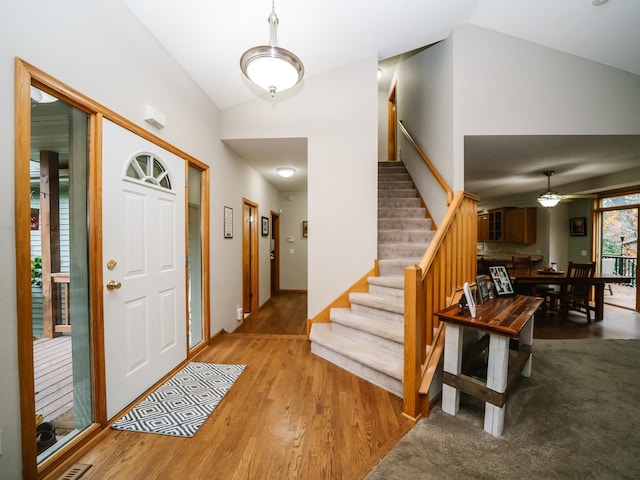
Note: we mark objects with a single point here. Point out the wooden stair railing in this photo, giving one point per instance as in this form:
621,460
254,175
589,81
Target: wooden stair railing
434,171
450,260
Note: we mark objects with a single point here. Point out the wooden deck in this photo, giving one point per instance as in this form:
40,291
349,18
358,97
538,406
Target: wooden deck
53,376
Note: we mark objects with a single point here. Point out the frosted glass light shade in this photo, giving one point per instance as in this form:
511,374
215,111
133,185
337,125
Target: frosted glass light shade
273,68
286,172
549,199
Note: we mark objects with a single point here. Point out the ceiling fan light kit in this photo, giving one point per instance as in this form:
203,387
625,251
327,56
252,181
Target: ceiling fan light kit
549,199
269,66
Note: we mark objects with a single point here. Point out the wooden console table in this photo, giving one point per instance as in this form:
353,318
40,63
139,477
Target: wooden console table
503,319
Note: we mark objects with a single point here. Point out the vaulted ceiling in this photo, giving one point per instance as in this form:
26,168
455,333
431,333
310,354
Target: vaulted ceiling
208,37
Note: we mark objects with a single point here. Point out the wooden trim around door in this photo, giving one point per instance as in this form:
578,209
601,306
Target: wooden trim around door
26,75
392,114
250,258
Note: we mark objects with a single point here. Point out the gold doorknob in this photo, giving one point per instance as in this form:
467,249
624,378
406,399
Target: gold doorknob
113,285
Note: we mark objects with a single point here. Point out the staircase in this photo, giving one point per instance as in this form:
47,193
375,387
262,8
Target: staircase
367,339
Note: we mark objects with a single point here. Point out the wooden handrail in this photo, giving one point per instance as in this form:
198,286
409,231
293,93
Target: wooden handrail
434,171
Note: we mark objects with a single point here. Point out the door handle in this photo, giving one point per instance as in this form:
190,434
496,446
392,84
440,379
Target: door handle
113,285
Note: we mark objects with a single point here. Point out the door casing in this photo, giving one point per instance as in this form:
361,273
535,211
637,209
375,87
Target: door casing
25,76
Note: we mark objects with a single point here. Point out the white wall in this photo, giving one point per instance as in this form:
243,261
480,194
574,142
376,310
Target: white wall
337,113
102,51
507,86
425,106
293,246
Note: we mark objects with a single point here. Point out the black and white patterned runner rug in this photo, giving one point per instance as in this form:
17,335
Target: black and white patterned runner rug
181,405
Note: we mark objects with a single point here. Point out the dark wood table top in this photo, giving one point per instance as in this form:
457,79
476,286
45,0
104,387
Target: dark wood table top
502,315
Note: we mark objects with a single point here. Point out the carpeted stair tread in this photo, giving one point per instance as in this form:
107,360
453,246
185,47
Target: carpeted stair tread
404,236
389,304
398,193
409,212
388,281
402,250
404,223
396,266
373,358
389,330
390,286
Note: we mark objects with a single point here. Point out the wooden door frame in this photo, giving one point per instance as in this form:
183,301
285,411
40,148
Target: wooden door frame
275,236
250,251
205,215
26,75
392,117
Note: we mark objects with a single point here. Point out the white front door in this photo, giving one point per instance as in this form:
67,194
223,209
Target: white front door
143,235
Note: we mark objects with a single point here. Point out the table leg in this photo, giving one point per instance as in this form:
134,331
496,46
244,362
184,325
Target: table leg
496,380
599,298
453,365
526,338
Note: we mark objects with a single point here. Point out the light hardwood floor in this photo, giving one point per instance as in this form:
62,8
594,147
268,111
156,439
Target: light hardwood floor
290,414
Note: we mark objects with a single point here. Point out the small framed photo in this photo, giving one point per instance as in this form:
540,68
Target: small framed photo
228,222
482,289
305,229
501,280
265,226
578,226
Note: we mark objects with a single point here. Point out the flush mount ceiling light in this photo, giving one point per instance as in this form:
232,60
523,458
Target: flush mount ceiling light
549,198
286,172
273,68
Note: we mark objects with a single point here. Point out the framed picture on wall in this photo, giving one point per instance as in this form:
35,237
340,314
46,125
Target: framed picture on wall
265,226
578,226
228,222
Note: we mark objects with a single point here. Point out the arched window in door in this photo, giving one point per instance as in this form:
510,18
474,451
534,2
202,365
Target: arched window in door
146,168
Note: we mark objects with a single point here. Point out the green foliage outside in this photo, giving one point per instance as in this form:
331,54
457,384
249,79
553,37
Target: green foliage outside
36,272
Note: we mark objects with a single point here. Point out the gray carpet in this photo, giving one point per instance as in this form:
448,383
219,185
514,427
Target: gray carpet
576,417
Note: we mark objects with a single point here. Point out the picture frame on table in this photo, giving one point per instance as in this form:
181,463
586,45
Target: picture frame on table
265,227
578,226
501,280
482,289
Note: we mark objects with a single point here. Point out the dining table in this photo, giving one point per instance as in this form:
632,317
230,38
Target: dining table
537,278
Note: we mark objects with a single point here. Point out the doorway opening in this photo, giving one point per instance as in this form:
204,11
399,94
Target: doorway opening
393,124
249,256
275,253
618,246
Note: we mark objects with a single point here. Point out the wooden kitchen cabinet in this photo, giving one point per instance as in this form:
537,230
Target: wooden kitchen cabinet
496,225
483,227
491,226
520,225
514,225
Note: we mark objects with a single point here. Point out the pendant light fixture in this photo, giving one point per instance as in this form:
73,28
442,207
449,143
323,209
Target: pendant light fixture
273,68
549,198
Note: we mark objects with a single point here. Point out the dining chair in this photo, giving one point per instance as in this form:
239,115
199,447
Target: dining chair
521,266
576,292
608,268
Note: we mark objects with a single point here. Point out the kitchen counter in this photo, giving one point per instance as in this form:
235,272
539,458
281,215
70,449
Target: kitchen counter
506,256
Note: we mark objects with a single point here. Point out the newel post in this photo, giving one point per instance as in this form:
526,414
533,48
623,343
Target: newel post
414,308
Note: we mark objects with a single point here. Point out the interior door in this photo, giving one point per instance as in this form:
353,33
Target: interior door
144,272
